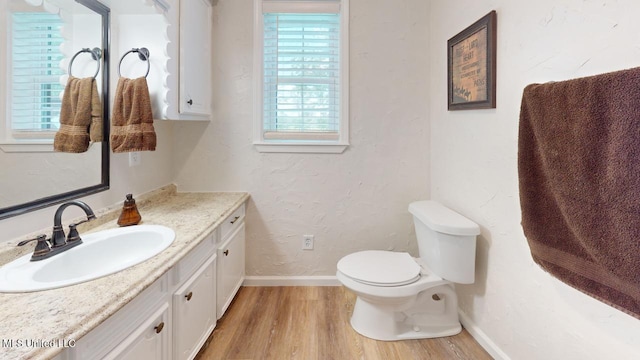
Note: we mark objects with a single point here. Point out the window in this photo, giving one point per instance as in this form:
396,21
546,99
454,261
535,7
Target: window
301,67
35,74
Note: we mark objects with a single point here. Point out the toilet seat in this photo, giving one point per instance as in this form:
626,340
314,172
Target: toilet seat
380,268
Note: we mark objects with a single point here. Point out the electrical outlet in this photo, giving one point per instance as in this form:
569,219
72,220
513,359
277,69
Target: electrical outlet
307,242
134,158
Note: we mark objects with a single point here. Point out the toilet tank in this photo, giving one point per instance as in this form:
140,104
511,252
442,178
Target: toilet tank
446,241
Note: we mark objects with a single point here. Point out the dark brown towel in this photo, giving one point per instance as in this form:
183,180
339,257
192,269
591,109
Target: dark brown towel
80,116
132,119
579,171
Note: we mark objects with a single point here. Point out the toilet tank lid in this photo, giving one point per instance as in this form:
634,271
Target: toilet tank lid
442,219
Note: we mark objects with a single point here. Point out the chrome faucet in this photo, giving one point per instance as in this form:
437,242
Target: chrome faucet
59,243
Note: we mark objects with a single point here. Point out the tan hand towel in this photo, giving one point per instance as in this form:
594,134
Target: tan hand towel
80,116
132,119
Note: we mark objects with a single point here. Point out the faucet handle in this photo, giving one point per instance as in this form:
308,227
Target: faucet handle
42,247
38,238
73,232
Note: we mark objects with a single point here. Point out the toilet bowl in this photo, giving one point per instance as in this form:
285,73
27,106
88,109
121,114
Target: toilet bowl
399,297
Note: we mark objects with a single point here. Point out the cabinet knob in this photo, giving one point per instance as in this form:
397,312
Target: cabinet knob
189,295
235,219
226,252
159,327
190,102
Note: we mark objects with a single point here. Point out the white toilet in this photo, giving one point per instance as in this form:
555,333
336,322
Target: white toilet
400,297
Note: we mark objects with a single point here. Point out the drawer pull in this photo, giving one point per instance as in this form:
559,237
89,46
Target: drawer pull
189,295
235,219
159,327
226,252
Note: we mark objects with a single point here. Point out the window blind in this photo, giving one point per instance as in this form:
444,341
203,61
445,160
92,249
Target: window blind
301,89
35,72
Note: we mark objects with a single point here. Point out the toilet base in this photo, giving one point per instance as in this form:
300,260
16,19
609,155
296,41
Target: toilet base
421,317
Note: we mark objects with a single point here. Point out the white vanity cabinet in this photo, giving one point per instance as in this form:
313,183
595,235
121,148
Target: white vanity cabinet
174,316
163,308
169,320
189,66
194,302
231,259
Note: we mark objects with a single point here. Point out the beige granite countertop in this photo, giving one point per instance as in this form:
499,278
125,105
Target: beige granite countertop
34,325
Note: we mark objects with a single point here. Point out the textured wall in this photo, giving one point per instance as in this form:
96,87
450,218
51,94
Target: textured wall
523,310
351,201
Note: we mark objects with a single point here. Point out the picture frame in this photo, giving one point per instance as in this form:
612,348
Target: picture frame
472,66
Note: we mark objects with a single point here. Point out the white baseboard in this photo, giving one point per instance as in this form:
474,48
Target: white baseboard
481,337
291,281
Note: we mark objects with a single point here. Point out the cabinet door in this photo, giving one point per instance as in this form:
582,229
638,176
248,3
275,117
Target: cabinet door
230,269
195,57
148,341
126,326
194,311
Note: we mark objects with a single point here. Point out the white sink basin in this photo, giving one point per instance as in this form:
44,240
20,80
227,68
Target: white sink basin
101,253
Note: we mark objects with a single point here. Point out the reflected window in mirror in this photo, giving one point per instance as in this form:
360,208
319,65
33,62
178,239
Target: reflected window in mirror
42,36
36,74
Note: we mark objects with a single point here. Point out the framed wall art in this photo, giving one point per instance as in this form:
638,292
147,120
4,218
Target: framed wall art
472,66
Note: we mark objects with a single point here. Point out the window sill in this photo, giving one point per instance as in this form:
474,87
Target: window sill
312,147
27,146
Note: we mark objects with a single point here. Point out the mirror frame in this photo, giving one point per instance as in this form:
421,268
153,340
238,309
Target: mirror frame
44,202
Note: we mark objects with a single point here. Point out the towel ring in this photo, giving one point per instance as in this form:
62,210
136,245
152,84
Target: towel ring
96,54
143,54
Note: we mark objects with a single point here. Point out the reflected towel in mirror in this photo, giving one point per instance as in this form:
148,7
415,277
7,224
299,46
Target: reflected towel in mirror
80,116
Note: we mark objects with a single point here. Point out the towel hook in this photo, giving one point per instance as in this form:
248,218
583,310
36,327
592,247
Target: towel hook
96,54
143,54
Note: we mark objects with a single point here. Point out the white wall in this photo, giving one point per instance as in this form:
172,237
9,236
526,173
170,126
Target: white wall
350,201
523,310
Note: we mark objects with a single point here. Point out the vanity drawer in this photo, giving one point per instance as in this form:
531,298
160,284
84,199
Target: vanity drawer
194,259
232,222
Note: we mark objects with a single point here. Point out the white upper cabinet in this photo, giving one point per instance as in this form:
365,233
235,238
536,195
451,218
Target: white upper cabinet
189,68
177,34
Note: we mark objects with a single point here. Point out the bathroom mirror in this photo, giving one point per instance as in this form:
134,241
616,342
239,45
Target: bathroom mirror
42,38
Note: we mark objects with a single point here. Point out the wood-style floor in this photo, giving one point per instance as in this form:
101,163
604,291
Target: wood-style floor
310,323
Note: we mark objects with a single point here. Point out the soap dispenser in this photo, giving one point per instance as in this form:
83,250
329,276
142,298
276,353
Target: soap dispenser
130,214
